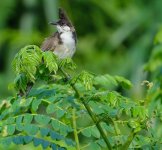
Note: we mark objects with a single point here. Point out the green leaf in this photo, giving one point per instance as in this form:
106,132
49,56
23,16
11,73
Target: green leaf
50,61
137,129
37,142
140,111
10,129
101,143
45,144
35,104
109,128
10,120
155,61
31,129
84,78
28,139
6,141
27,60
26,102
63,130
42,119
20,82
112,98
87,79
19,119
93,146
18,140
61,148
70,142
91,131
27,119
54,147
158,37
133,124
50,109
55,109
60,113
55,136
95,132
19,125
97,110
105,80
59,126
86,132
44,131
123,82
55,124
67,63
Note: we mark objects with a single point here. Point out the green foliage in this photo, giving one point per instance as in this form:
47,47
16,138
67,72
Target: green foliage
50,61
27,61
91,131
155,61
20,82
124,30
108,80
67,63
85,78
57,114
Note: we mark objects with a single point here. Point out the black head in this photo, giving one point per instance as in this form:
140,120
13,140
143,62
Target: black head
63,19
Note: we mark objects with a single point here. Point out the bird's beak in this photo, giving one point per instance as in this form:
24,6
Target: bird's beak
53,23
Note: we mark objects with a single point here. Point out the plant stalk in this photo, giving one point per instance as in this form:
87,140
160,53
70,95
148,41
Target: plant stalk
93,117
129,140
75,130
98,125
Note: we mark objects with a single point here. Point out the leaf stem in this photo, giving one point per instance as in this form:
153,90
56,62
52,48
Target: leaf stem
75,130
93,117
129,140
98,125
117,131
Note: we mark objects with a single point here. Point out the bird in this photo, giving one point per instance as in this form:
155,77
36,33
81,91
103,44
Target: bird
63,42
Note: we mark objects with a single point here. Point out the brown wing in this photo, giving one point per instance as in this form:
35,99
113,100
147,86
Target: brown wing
51,42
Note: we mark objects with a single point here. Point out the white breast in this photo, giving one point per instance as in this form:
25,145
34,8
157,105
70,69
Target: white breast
68,42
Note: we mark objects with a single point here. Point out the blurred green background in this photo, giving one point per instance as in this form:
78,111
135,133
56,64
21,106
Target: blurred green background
114,36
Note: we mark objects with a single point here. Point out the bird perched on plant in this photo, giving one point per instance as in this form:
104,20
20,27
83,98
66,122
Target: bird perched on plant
62,42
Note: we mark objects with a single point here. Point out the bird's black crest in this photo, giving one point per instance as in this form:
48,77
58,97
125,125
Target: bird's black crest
63,17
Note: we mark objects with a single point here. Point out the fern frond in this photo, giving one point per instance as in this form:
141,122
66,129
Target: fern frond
84,78
27,60
67,63
50,61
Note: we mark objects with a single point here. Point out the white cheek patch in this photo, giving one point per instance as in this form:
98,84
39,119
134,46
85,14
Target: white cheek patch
63,28
66,28
59,28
